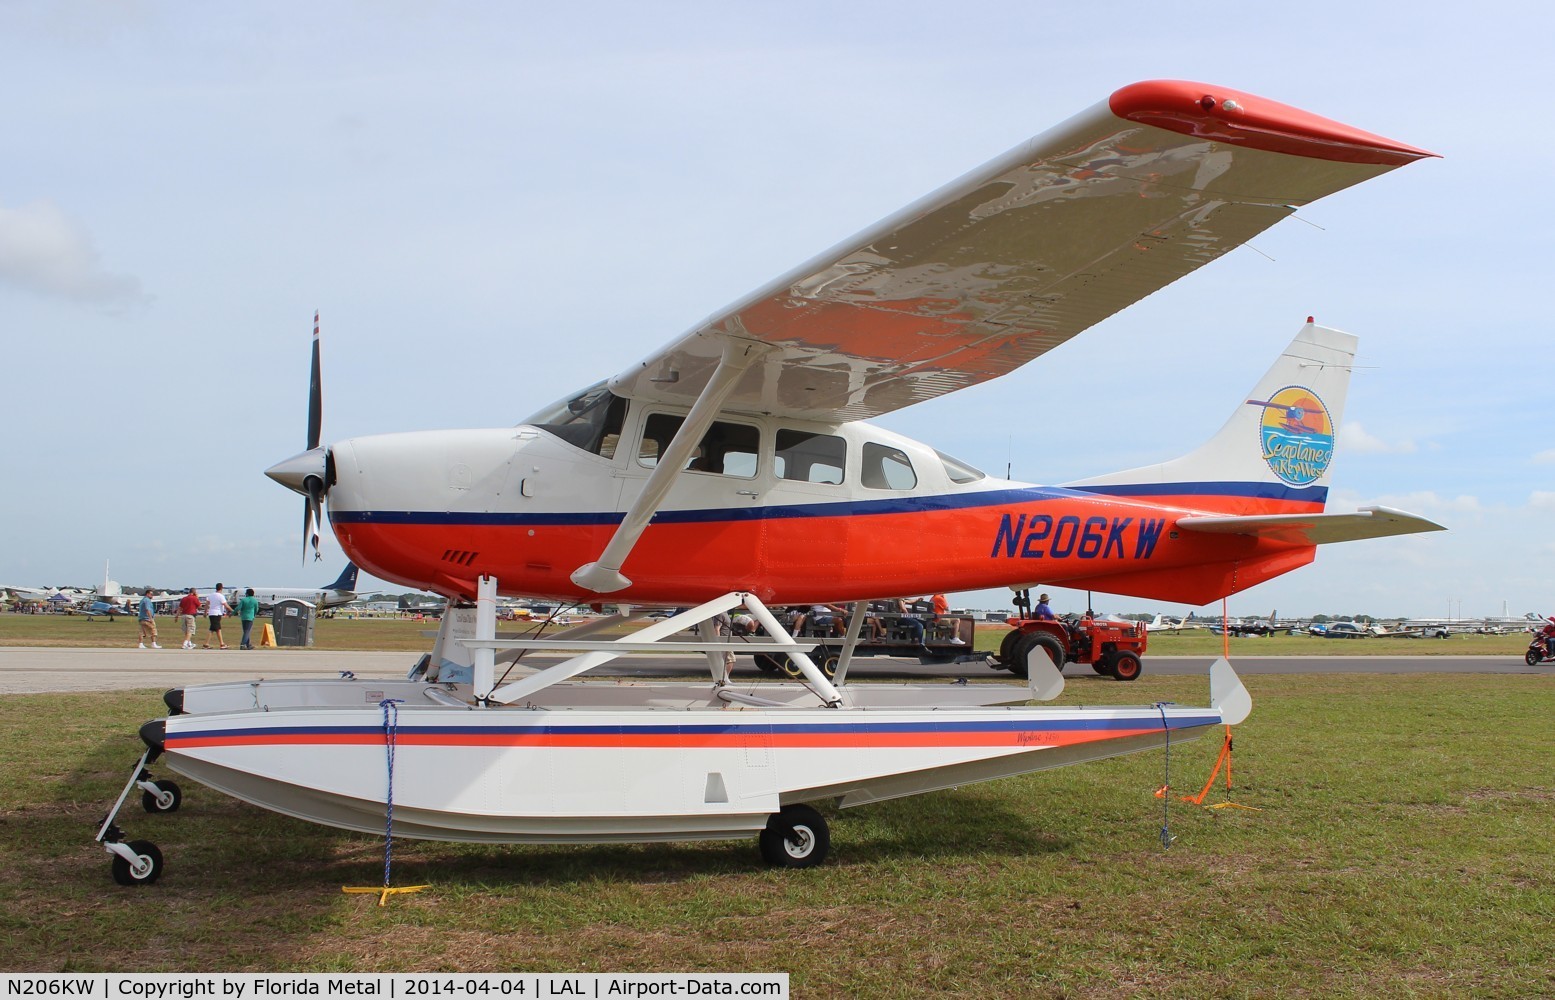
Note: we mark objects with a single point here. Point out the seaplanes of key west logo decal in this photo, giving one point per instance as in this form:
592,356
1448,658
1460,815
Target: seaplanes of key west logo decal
1297,434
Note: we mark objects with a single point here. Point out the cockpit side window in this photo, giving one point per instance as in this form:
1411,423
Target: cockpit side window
886,468
591,420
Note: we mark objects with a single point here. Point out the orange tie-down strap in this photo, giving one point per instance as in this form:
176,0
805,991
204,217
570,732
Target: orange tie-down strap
1223,760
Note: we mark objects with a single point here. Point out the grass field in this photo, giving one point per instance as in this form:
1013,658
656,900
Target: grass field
404,635
1402,850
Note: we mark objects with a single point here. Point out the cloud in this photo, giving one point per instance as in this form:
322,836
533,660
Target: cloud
1545,457
1354,437
45,252
1541,500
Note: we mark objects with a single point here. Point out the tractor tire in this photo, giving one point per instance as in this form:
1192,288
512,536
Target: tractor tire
1007,648
1126,666
1034,640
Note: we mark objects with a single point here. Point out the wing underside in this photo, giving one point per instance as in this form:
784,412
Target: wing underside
1018,256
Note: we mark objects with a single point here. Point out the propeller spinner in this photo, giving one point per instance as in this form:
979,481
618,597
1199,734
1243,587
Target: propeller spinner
308,472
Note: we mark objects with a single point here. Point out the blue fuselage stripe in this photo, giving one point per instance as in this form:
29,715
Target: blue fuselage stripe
848,508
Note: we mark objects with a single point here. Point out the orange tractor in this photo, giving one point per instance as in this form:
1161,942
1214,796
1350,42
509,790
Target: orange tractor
1112,648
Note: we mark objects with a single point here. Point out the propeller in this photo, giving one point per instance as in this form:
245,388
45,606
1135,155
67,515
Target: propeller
308,472
313,486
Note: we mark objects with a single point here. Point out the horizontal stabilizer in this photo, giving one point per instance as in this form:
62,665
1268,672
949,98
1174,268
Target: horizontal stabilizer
1316,529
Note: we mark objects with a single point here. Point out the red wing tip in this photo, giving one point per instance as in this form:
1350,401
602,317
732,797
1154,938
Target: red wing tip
1244,119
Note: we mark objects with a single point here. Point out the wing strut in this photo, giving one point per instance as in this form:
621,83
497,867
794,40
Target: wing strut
603,575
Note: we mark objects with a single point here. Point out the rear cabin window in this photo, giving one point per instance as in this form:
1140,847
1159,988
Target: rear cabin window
886,468
804,457
726,449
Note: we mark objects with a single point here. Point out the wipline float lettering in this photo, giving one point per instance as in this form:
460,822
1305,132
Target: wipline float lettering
1042,536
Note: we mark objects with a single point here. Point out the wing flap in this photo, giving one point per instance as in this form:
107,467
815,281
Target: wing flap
1020,255
1316,529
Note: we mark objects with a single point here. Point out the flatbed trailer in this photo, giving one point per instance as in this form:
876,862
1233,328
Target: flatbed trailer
947,639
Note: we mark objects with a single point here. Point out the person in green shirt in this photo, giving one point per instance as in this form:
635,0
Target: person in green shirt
248,609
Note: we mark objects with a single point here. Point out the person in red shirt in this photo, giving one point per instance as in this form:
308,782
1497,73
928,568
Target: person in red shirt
189,608
1548,635
942,614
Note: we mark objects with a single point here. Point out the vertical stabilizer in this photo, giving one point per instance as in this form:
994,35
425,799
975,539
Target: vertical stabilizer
346,580
1278,443
110,587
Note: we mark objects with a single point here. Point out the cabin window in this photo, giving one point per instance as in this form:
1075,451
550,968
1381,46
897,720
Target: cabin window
886,468
810,458
727,449
958,471
591,420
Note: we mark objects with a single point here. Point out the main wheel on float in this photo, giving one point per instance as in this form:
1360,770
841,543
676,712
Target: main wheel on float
1022,648
795,837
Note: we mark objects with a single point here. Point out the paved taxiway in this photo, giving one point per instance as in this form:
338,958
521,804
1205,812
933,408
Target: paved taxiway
28,670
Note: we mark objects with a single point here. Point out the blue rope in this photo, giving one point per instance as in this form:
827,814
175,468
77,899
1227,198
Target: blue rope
391,723
1166,798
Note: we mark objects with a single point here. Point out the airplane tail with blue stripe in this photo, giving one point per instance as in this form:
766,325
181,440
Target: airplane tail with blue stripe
1274,453
346,580
1266,472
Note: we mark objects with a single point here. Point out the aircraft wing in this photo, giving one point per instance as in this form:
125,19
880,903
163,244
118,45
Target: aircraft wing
1315,529
1021,254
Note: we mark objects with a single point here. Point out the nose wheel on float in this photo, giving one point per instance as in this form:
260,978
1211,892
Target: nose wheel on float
139,862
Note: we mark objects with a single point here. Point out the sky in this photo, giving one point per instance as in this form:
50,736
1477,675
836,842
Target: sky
492,204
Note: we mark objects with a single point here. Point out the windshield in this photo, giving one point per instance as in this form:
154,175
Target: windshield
591,420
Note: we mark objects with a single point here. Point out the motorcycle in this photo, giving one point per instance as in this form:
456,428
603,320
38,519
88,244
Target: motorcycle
1537,652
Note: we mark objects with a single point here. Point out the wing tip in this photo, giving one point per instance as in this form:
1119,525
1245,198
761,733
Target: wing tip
1243,119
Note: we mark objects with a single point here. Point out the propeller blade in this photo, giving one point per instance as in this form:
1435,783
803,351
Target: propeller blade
315,393
314,503
307,526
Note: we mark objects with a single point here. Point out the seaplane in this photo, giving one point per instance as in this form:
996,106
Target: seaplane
737,469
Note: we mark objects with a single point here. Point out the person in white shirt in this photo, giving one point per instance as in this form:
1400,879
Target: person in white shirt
217,610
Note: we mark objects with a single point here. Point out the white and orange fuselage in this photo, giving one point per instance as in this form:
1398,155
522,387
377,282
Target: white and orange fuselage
438,509
792,546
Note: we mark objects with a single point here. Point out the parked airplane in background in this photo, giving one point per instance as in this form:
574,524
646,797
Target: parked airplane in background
1168,625
342,590
1441,628
29,596
425,606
